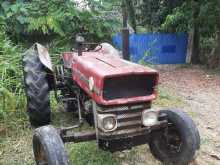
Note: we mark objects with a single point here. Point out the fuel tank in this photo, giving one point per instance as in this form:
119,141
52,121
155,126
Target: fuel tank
110,80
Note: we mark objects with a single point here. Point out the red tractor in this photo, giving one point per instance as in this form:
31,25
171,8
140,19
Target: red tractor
113,95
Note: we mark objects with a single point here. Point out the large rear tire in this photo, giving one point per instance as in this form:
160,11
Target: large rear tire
178,144
37,90
48,147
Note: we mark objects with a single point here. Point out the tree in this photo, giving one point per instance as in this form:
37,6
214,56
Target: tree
195,34
201,19
61,19
131,14
152,13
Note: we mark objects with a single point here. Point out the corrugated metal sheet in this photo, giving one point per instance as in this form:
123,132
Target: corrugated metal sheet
156,48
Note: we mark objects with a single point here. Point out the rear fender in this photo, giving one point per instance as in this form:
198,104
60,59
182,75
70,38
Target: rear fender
45,59
44,56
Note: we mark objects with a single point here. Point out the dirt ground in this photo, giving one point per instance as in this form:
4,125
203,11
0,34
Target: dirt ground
200,91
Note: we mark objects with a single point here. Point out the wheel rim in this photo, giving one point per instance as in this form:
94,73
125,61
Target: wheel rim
173,139
40,155
170,141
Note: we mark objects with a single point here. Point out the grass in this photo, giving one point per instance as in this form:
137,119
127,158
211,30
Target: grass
168,98
88,153
16,148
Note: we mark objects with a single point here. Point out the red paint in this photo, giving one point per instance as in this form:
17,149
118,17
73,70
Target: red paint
100,66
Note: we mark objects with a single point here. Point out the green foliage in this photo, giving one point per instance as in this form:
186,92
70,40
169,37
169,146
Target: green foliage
208,16
176,22
148,58
11,91
44,24
204,15
152,13
56,19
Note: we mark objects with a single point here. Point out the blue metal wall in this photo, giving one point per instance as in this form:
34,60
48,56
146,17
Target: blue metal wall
156,48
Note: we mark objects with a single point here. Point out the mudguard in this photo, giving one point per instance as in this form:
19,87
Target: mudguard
44,56
40,51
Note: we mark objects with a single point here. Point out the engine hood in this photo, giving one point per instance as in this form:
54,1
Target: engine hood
94,68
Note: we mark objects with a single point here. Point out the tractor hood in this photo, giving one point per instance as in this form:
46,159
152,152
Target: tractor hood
110,80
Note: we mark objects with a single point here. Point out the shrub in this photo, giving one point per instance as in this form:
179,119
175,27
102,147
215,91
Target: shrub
11,90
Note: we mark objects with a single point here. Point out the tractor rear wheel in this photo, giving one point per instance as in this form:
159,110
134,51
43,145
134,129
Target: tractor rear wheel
37,91
48,147
178,144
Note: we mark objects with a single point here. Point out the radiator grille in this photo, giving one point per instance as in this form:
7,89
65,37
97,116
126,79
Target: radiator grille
129,86
128,117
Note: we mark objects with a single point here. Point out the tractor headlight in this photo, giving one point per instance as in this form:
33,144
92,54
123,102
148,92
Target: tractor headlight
107,122
149,118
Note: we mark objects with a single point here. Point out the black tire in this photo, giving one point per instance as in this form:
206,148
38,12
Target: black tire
37,90
48,147
178,144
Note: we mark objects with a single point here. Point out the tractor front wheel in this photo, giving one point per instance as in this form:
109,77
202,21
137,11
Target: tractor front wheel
179,142
48,147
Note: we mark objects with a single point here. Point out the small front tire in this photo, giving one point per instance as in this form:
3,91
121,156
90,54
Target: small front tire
178,144
48,147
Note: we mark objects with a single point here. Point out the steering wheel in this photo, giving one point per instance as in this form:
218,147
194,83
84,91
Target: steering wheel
100,47
91,48
81,42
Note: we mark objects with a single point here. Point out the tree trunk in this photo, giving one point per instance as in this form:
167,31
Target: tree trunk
195,47
196,36
214,59
131,13
189,48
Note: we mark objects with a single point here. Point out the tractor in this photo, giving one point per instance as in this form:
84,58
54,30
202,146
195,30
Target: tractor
110,93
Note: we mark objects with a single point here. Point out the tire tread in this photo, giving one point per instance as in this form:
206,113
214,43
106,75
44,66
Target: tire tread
37,91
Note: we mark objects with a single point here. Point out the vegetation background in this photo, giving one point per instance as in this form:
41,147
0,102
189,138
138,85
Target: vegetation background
55,23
